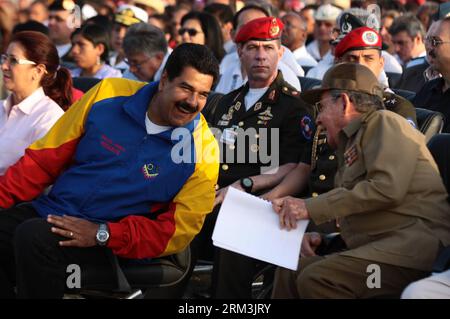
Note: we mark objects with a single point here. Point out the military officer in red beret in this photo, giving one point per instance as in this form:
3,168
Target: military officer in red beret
276,128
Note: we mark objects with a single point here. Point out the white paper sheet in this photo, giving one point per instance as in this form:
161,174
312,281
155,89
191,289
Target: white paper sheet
248,225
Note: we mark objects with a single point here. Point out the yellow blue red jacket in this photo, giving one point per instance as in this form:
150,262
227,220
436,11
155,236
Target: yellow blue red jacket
104,167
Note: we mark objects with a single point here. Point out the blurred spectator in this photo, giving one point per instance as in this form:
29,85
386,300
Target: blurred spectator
146,52
39,12
177,14
294,37
202,28
307,14
224,16
40,90
150,6
426,12
8,18
325,18
386,22
161,22
90,50
407,36
60,13
125,16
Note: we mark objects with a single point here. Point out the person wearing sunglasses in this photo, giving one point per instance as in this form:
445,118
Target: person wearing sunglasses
435,94
40,90
202,28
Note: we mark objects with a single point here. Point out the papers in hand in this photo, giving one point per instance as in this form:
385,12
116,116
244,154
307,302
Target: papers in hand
249,226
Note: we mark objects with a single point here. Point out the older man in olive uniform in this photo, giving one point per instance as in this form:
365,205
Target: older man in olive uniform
393,215
362,45
266,130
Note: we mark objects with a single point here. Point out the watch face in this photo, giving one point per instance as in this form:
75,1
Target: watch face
247,182
102,236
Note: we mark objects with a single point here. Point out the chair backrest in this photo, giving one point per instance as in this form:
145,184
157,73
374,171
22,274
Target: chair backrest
430,122
211,104
393,78
308,83
164,277
84,84
439,146
409,95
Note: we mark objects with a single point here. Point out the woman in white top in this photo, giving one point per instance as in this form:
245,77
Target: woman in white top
90,51
40,90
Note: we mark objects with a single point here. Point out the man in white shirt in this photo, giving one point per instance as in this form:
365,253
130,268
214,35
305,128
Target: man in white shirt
60,13
325,18
294,37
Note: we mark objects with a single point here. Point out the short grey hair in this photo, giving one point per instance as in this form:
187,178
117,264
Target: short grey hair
363,102
144,38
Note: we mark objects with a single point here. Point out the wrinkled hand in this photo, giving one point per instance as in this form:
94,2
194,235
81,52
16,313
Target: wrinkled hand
80,231
290,210
309,244
220,194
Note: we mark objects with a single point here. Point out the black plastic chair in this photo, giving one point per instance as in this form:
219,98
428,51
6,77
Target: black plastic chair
393,78
161,278
409,95
308,83
84,84
430,122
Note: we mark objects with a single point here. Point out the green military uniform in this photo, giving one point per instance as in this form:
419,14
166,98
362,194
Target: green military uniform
391,213
324,163
280,108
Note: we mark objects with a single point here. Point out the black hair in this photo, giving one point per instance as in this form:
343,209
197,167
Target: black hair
96,35
30,25
211,28
194,55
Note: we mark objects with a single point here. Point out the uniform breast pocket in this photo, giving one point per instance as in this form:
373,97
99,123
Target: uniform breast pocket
353,174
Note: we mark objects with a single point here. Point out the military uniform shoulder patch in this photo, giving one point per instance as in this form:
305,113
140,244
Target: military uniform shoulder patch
307,127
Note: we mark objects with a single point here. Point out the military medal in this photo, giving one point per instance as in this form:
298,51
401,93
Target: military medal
350,156
258,106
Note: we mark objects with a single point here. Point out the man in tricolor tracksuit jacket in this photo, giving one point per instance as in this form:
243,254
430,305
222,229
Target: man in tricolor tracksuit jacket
133,168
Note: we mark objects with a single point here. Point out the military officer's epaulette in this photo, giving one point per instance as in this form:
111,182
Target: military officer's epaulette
291,91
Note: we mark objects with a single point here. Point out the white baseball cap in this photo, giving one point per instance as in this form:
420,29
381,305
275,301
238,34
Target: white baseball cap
327,12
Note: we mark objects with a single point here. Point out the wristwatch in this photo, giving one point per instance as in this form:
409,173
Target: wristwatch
102,235
247,184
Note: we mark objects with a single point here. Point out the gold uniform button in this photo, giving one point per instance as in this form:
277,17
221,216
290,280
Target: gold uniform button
241,123
225,167
232,147
256,135
331,157
285,89
254,148
314,194
216,187
322,177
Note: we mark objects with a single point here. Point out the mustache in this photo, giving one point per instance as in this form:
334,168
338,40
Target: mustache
186,106
432,54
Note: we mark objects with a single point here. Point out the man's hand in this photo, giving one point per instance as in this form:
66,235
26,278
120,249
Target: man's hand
290,210
220,194
80,231
309,244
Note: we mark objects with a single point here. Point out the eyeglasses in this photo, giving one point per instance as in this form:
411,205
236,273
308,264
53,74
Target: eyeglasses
318,106
136,65
191,32
12,60
435,42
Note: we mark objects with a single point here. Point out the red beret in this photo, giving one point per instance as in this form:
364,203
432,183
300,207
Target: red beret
263,29
358,39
